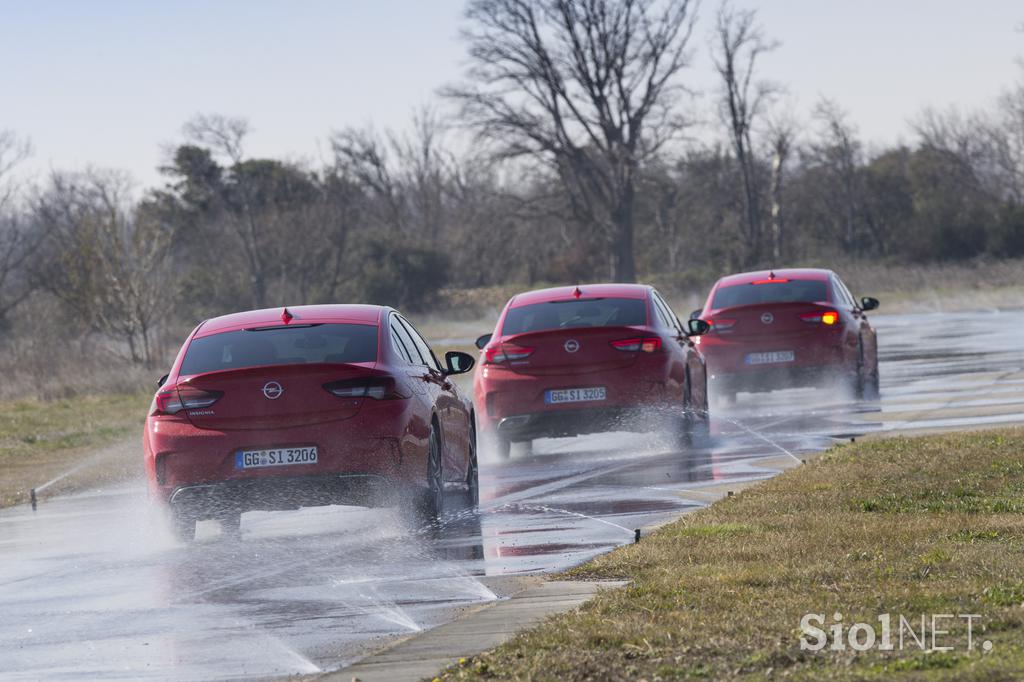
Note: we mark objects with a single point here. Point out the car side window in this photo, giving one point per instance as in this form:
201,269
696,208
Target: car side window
853,301
406,342
399,345
665,312
842,293
421,345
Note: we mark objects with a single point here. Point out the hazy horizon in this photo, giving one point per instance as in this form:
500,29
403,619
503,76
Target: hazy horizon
109,85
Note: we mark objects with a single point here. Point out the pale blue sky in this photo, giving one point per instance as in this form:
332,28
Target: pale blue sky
108,83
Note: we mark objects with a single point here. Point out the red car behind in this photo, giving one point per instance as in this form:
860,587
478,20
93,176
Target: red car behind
285,408
599,357
786,328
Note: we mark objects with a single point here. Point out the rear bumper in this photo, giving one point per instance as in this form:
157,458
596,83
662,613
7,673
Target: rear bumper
774,378
180,457
513,404
209,500
564,423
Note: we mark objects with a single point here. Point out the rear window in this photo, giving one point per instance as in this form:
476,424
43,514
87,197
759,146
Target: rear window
791,291
594,312
331,343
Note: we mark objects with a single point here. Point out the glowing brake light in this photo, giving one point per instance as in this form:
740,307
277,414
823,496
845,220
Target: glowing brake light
828,317
647,344
770,281
505,352
721,324
174,400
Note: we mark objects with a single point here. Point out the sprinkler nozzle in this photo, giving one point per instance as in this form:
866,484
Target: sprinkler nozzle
636,536
32,498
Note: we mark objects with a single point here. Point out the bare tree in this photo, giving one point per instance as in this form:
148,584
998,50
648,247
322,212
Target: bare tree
407,175
19,238
585,86
839,153
738,43
106,261
226,135
782,132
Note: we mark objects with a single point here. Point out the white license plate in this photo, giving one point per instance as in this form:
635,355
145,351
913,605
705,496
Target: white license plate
278,457
771,358
574,395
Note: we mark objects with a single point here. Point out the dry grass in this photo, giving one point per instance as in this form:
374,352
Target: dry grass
901,526
42,440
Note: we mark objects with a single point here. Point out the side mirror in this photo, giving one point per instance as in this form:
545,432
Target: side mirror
868,303
697,327
696,314
160,382
482,341
458,362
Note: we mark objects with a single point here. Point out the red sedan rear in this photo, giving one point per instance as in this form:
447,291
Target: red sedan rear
285,408
786,328
600,357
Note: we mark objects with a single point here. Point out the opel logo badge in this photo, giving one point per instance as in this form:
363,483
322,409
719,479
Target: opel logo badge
767,318
272,390
571,346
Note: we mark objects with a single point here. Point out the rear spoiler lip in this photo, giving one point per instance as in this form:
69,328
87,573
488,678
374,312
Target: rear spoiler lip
370,366
741,308
575,330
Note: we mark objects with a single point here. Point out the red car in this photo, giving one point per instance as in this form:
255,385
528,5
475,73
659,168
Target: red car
599,357
787,328
326,404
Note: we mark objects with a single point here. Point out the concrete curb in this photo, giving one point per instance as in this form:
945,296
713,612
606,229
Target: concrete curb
426,654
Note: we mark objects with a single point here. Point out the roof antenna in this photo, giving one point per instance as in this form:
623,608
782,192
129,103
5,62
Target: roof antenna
286,316
577,292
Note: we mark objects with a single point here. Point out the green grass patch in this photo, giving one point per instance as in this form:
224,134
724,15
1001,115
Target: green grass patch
906,526
40,440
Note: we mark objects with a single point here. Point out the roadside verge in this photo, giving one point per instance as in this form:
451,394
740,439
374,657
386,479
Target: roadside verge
923,533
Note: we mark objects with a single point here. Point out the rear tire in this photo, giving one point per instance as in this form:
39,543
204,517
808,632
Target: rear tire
431,501
473,475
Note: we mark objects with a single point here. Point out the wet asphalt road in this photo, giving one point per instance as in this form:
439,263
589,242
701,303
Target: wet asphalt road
92,586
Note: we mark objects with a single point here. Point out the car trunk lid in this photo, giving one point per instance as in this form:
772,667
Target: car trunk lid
572,351
274,396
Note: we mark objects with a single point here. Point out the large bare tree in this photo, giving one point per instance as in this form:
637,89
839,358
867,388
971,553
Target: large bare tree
588,87
738,43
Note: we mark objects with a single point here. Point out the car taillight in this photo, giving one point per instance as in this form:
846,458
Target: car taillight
505,352
828,317
721,324
376,388
647,344
174,400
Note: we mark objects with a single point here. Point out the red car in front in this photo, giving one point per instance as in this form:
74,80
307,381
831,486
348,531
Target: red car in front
285,408
600,357
788,328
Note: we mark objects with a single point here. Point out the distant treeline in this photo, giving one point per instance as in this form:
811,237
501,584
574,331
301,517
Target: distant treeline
589,172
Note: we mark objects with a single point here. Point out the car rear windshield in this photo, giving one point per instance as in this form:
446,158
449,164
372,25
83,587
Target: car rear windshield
779,291
331,343
592,312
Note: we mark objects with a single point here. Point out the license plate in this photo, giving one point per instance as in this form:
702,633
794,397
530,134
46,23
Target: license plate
574,395
771,358
278,457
